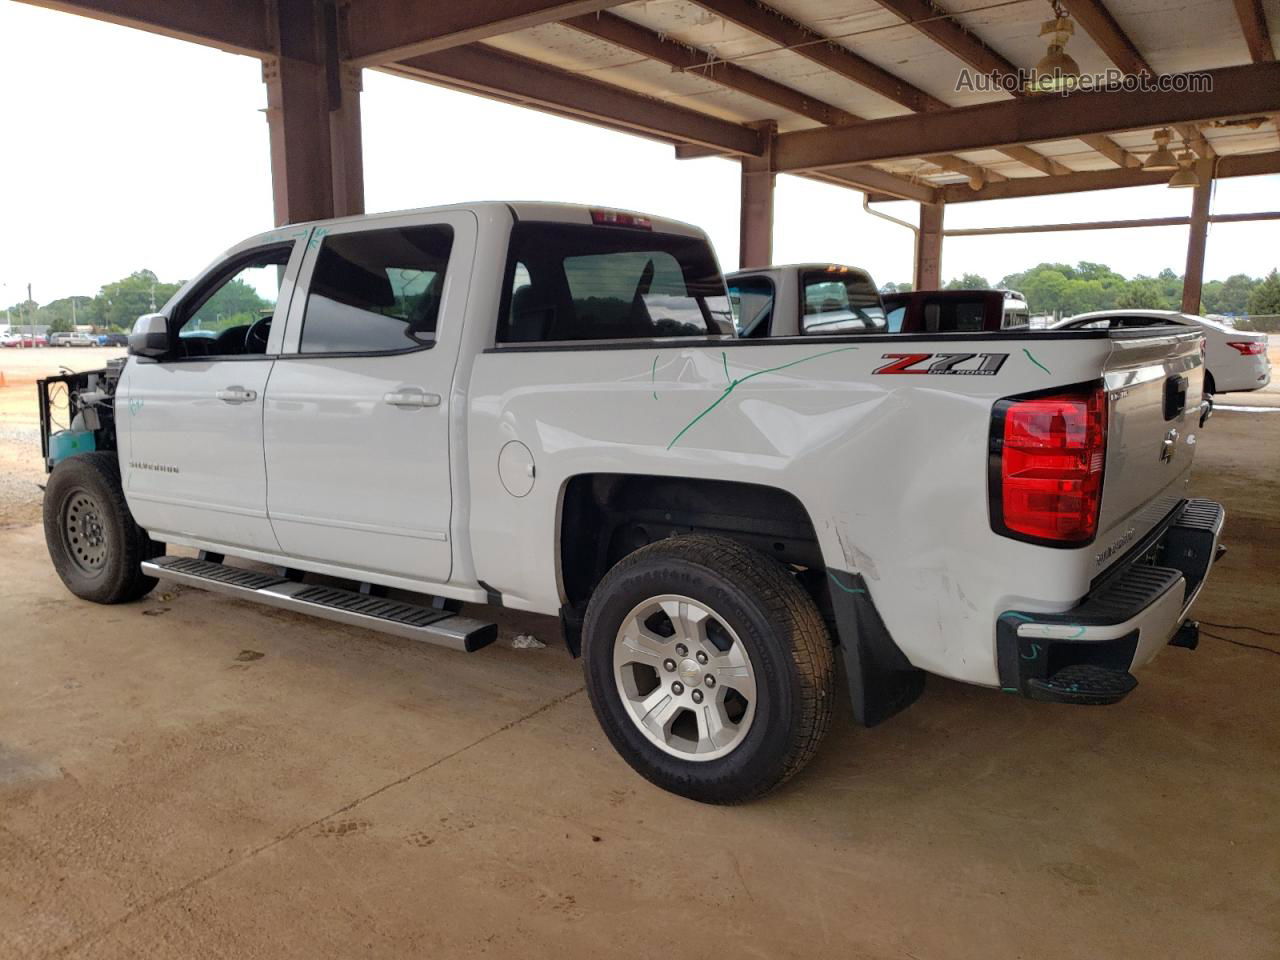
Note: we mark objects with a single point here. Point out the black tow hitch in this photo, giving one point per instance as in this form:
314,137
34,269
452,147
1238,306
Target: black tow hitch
1188,635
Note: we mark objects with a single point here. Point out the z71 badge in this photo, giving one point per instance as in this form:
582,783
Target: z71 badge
988,364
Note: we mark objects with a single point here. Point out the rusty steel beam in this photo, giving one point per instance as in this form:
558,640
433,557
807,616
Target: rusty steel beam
640,40
876,183
1236,91
1253,23
872,180
384,31
1109,224
1197,240
1111,150
931,20
481,69
238,26
298,113
1115,43
927,273
1236,165
772,25
755,208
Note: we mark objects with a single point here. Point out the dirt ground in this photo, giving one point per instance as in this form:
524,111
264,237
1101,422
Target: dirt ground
191,776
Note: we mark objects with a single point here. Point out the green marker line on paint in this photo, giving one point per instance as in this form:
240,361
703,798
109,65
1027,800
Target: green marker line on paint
1036,362
734,383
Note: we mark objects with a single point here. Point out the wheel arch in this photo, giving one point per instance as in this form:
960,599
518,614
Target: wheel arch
602,517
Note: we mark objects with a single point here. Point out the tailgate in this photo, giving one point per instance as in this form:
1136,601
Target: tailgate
1154,387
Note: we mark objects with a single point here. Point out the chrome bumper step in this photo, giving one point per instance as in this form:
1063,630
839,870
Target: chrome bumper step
413,621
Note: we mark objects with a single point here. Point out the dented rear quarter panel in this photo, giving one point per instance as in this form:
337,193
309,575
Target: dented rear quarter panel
892,468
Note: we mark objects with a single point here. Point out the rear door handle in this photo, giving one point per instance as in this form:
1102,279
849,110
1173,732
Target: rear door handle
411,397
237,395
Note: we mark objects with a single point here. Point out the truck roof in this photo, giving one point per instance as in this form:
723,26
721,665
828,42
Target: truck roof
520,209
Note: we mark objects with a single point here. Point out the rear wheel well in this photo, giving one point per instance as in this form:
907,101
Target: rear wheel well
606,516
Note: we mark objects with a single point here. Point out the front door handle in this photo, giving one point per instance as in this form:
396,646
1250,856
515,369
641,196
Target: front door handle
411,397
237,395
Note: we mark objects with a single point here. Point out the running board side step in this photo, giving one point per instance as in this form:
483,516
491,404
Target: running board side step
410,620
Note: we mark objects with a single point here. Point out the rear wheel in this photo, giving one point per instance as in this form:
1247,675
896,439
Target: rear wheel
1209,386
96,547
708,667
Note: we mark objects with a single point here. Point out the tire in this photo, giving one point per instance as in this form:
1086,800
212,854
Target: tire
1209,386
725,746
96,547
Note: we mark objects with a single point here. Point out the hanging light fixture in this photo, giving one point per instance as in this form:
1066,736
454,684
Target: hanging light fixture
1056,71
1162,158
1186,175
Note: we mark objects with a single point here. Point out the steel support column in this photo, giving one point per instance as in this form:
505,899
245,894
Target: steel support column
345,144
313,111
755,214
928,270
1193,276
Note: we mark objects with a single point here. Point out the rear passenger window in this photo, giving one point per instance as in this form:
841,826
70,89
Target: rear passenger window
377,291
752,302
572,282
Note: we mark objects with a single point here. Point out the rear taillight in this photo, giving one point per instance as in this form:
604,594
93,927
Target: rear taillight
1047,454
1250,348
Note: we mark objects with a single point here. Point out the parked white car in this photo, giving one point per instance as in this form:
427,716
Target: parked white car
1235,360
545,407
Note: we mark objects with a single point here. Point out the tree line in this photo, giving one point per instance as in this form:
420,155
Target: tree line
1065,290
1050,288
116,305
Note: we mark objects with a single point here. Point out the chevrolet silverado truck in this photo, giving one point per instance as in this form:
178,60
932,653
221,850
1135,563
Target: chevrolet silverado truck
378,419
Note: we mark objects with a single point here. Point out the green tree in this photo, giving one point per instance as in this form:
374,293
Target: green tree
122,302
1142,293
1236,290
968,281
234,304
896,288
1265,298
1045,289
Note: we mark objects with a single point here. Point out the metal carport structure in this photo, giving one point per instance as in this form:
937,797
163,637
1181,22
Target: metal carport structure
861,93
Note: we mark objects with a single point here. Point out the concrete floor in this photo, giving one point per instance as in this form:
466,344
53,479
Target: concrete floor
192,777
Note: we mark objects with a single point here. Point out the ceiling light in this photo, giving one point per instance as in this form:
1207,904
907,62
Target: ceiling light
1056,71
1162,158
1186,176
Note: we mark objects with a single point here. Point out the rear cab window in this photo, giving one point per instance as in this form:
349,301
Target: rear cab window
568,282
751,299
840,300
950,315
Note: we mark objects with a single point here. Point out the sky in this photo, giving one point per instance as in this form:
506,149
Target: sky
125,150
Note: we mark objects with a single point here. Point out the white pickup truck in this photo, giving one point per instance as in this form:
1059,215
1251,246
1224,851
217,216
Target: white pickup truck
545,407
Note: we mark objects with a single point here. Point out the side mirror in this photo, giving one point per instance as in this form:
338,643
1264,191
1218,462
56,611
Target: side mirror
150,336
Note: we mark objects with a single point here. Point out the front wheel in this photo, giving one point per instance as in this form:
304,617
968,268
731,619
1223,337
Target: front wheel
708,667
96,546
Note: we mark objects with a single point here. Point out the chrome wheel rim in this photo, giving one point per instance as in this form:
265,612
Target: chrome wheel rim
684,677
84,532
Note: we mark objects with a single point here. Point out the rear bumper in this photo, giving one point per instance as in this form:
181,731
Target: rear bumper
1084,655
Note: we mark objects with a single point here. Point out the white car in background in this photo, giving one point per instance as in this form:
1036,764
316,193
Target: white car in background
1234,359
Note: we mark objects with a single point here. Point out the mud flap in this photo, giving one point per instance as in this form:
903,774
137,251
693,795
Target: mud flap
882,681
